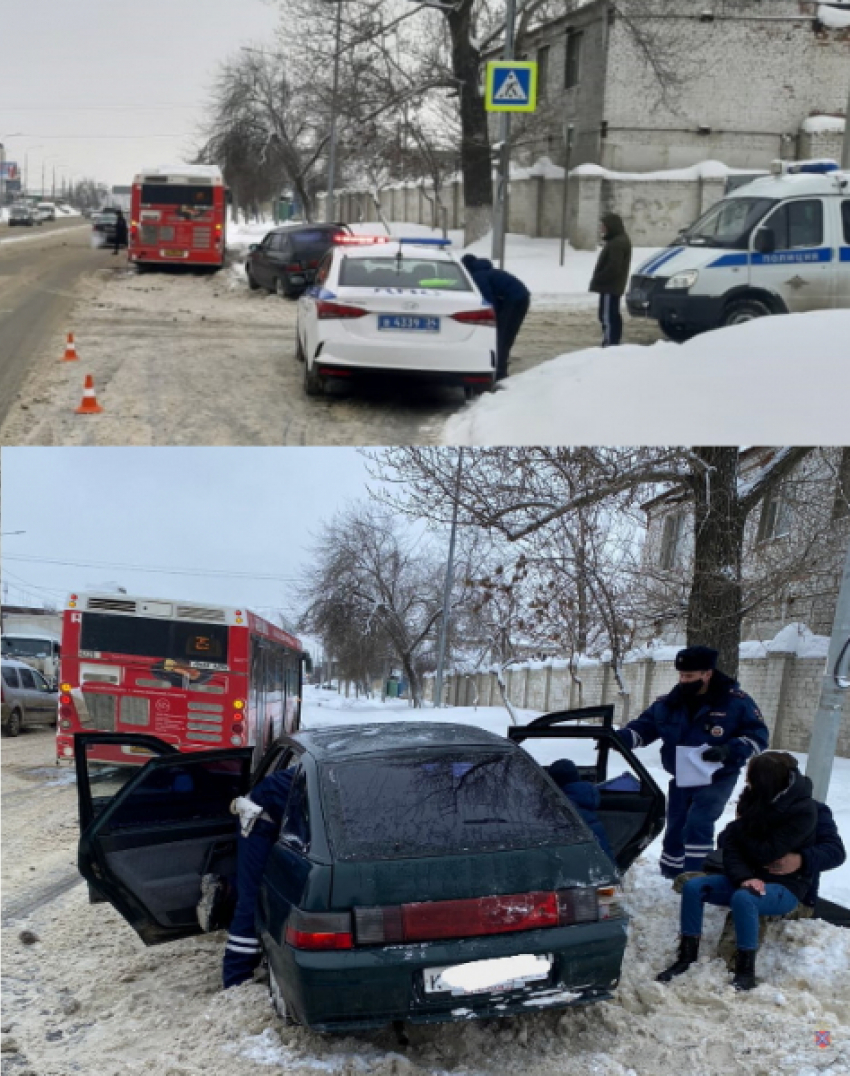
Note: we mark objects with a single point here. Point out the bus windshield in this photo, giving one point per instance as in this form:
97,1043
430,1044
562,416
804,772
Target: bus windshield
179,640
729,224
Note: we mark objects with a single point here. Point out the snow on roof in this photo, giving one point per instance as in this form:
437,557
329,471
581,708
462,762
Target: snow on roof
834,17
824,124
790,376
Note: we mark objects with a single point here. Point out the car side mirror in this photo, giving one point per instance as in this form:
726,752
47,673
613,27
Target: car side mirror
765,241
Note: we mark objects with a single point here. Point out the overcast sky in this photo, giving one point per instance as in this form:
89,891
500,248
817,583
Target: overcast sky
105,88
237,510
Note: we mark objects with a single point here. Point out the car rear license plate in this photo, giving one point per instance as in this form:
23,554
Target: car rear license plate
469,977
408,323
297,279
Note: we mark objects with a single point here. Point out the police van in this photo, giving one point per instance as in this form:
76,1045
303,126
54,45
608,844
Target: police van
779,245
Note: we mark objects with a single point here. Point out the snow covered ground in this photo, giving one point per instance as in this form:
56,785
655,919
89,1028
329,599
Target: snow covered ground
773,380
84,997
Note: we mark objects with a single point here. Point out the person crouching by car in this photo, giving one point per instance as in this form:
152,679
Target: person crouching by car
611,277
510,299
776,816
120,237
584,796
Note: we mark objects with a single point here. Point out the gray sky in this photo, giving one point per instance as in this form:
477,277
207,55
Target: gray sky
226,509
76,74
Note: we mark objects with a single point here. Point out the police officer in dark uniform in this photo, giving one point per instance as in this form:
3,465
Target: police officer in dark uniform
708,708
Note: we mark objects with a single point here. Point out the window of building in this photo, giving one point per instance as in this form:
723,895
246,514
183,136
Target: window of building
672,541
841,507
798,224
774,521
572,70
542,70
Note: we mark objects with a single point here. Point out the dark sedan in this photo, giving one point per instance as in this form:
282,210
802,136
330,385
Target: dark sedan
103,226
424,872
286,260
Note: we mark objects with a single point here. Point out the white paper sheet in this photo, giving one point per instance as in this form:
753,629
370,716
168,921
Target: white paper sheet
692,770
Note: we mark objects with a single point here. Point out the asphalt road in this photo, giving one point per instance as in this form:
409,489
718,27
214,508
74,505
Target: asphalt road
40,268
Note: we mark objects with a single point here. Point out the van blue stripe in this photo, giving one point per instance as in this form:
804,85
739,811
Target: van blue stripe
781,257
649,267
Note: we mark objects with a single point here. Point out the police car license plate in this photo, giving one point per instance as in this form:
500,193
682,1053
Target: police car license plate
409,323
434,983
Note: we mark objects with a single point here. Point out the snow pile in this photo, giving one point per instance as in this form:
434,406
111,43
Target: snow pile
778,369
824,124
701,170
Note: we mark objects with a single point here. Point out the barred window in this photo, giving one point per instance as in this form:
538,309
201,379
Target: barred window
572,69
672,541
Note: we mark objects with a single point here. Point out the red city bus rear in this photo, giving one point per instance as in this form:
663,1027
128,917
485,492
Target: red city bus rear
199,677
178,216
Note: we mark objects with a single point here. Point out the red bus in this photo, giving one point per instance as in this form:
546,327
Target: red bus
178,216
197,676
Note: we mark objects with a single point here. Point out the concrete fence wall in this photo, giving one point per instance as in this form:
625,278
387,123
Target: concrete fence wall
654,208
785,687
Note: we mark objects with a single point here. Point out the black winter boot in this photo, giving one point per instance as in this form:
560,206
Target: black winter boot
688,952
745,969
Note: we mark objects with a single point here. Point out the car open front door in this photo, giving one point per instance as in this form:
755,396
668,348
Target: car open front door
146,847
631,804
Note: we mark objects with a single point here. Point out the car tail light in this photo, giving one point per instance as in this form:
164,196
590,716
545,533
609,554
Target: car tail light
319,930
486,315
504,914
610,899
326,310
296,267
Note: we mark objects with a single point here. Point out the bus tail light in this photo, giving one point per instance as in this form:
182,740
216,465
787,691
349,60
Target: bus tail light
319,930
326,310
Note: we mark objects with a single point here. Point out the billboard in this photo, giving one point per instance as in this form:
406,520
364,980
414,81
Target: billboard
9,171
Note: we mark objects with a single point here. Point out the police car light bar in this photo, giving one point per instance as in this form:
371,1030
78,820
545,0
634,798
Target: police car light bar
823,167
361,240
424,241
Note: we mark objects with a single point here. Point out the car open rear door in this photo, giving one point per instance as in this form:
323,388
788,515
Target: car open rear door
146,847
632,806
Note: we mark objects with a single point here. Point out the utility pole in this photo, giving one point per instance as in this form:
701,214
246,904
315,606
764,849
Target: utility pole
568,152
447,589
835,684
329,204
500,217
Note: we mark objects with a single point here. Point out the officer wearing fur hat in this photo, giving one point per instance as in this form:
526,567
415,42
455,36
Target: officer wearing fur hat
706,709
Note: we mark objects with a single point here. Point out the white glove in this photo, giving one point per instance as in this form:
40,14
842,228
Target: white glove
248,812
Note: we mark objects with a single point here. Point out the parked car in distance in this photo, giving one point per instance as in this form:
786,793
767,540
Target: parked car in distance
23,216
470,867
49,209
27,698
286,260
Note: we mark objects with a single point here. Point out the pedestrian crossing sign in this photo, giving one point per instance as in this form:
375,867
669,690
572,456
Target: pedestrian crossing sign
511,86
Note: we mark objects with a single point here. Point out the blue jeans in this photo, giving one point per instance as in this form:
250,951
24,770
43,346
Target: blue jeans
746,906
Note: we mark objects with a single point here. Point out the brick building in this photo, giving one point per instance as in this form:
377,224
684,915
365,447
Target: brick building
686,81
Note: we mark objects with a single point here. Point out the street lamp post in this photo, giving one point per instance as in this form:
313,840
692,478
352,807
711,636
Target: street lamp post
329,204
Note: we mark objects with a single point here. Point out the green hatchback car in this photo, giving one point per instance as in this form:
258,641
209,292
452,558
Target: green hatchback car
424,871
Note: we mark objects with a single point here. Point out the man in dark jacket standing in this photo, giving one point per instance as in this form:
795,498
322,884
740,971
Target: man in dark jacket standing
706,708
120,237
508,296
611,277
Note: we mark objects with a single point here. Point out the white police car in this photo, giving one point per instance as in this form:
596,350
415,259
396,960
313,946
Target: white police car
779,245
395,306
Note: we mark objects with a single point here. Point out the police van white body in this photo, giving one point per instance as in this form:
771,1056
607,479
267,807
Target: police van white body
778,245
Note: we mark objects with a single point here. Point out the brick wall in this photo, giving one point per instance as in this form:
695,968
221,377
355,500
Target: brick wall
785,687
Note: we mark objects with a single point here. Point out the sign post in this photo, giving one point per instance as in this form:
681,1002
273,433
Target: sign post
511,87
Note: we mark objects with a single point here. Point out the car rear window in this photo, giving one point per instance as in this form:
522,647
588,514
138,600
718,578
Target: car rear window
406,272
314,238
411,805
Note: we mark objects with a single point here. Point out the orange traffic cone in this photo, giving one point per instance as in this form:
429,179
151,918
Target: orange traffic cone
89,404
70,351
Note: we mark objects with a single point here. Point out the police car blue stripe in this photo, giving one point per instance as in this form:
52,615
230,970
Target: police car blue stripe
844,254
654,263
781,257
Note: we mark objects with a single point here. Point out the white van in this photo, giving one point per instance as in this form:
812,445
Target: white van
39,650
779,245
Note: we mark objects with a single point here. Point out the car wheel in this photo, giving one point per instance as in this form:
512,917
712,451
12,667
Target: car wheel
677,333
745,310
313,384
281,288
14,724
252,284
278,1000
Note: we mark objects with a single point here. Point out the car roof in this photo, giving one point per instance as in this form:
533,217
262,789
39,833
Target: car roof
16,664
349,741
796,185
